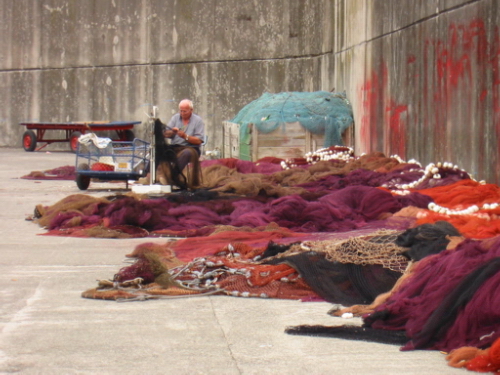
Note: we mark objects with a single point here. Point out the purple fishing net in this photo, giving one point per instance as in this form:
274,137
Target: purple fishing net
410,308
342,210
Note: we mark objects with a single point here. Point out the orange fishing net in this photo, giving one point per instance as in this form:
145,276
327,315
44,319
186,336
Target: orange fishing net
483,223
470,226
475,359
228,272
191,248
464,193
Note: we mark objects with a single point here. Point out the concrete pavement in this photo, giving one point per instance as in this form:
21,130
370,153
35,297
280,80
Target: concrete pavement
47,328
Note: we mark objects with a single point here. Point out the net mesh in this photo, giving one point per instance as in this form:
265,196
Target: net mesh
370,250
320,112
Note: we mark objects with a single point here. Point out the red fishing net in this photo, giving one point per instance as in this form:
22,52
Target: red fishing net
487,362
222,265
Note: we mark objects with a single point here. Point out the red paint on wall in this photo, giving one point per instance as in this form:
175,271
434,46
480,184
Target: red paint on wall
397,127
373,96
369,95
452,100
495,63
462,90
462,68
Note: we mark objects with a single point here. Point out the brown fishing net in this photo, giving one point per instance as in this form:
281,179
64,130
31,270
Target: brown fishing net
81,204
248,184
218,175
164,251
292,177
138,292
377,249
100,231
223,179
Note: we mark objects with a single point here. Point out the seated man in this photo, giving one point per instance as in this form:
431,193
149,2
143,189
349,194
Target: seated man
186,131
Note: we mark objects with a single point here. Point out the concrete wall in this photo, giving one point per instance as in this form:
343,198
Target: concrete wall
423,76
64,60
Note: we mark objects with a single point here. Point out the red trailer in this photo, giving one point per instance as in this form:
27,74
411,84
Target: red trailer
35,132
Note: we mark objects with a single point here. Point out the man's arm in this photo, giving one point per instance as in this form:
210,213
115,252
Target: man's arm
192,140
169,130
197,134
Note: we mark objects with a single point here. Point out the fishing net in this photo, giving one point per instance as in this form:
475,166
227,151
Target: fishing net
347,271
66,172
416,305
75,206
486,361
462,195
333,195
449,301
479,226
222,266
239,263
250,263
320,112
461,298
379,248
350,208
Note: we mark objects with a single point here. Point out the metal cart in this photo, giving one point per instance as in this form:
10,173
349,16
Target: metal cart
36,132
117,161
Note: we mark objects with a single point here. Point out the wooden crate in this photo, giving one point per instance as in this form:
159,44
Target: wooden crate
231,147
288,141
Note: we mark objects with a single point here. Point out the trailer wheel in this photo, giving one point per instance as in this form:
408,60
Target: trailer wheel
73,141
29,140
128,135
82,181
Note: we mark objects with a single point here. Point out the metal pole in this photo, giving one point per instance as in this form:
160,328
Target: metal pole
152,165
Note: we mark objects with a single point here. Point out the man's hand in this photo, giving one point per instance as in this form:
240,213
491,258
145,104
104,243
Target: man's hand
168,134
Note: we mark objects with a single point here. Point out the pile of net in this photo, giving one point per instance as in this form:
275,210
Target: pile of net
252,264
350,208
66,172
320,112
331,227
371,191
450,301
474,359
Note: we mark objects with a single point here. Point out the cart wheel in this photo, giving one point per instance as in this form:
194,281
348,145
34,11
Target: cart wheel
128,135
29,140
82,181
73,140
